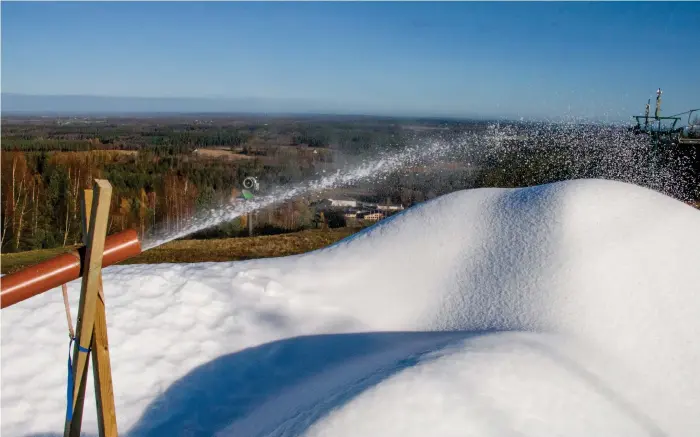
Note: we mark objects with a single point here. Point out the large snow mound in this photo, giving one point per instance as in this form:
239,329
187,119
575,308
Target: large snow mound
600,279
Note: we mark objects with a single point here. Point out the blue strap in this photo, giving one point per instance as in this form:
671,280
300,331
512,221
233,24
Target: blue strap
71,383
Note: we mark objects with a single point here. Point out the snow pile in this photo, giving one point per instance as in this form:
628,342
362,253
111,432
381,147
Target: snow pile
600,279
516,384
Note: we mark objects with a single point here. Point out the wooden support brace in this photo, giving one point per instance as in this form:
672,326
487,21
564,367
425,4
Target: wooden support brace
101,366
96,227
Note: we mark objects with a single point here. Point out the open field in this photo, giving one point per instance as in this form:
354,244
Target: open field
164,169
11,262
187,251
222,153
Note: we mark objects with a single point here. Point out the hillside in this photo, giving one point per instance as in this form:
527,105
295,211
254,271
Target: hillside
561,309
195,251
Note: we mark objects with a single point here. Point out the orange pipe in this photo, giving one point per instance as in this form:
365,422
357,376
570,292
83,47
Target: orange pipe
63,268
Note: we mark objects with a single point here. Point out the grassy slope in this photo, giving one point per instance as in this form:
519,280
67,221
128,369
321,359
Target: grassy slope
187,251
11,262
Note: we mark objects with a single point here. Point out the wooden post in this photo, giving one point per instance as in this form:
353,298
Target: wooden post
89,295
101,365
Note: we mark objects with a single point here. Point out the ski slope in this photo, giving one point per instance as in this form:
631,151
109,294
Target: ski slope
564,309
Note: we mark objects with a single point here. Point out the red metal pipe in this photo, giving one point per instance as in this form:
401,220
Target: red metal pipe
63,268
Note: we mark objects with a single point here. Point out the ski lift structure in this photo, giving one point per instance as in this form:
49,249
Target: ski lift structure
669,131
674,140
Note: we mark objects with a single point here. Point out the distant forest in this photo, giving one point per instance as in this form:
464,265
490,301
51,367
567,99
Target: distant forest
163,170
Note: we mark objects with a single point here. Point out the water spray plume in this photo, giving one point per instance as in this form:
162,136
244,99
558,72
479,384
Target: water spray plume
580,150
370,169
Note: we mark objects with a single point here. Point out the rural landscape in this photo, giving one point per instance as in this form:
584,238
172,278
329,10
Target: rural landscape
166,168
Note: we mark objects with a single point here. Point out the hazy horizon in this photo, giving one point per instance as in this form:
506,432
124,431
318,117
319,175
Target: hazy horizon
101,105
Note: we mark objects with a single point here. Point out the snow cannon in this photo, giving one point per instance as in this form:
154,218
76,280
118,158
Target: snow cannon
250,185
98,250
64,268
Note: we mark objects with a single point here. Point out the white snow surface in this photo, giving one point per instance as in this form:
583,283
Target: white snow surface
563,309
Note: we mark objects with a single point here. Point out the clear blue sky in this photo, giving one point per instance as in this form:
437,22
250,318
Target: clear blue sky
527,59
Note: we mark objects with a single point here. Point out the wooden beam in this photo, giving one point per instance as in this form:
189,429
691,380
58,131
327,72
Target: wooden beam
76,422
101,366
102,373
97,232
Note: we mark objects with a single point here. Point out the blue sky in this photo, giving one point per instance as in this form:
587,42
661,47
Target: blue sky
530,59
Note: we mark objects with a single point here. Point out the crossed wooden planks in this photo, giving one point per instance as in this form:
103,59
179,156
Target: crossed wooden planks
91,328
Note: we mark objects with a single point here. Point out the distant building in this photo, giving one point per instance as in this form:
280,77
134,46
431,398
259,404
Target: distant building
354,209
390,207
370,216
343,203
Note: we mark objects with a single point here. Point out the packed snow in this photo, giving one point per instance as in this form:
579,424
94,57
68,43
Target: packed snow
563,309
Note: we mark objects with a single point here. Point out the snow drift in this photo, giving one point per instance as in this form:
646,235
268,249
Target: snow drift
597,282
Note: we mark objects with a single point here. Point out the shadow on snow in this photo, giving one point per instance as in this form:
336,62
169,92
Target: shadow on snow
283,387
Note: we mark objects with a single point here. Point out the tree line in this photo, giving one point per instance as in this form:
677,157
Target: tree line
160,187
351,137
41,191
